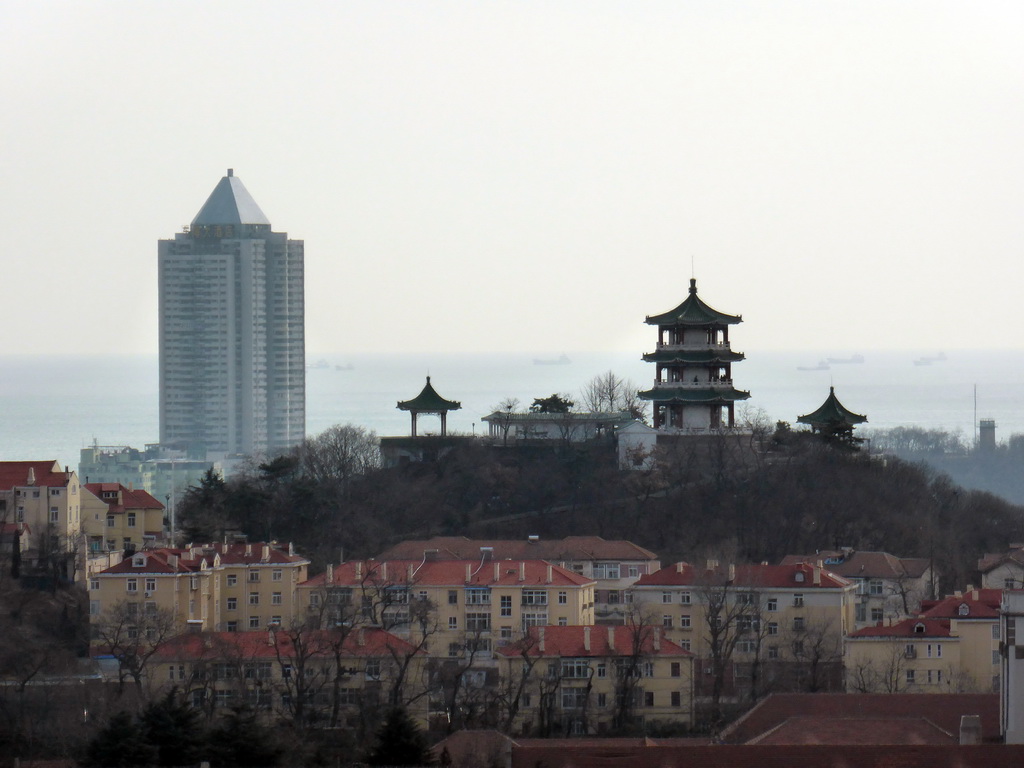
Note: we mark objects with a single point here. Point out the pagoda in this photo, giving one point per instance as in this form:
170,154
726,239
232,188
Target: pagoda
428,401
832,419
693,378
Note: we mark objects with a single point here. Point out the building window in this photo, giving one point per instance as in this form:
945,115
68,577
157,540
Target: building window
232,579
94,584
563,597
666,621
151,585
453,597
877,615
677,699
773,651
373,669
232,603
666,597
453,622
276,575
602,669
563,622
634,571
773,628
506,605
478,622
685,644
910,677
454,649
602,700
254,598
995,631
875,587
54,514
684,621
254,576
132,585
677,669
613,597
684,598
55,491
110,521
254,622
94,607
772,604
798,623
648,698
574,698
798,601
535,597
232,626
275,598
606,570
19,516
534,620
131,519
1009,583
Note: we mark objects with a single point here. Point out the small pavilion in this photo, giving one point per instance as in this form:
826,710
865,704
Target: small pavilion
428,401
832,419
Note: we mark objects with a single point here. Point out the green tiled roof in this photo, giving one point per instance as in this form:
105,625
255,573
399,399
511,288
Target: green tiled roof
693,311
683,395
832,412
693,356
428,401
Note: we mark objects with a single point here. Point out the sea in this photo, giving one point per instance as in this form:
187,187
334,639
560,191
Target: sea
53,406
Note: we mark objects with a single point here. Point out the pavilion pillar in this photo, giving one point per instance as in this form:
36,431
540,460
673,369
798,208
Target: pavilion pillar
414,423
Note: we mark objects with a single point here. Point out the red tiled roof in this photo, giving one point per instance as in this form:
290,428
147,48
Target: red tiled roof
9,528
993,559
818,729
449,573
613,755
569,548
907,628
130,499
981,604
252,645
47,473
942,709
750,576
571,641
192,559
865,565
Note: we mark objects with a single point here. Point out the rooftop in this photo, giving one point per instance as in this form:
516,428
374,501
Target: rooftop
230,203
693,311
577,548
796,576
454,573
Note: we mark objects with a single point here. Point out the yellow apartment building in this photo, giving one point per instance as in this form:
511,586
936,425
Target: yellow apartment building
231,587
787,621
911,656
571,680
117,518
451,608
322,678
973,617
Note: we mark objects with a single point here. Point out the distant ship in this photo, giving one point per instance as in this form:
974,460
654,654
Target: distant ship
850,359
929,359
821,366
318,364
561,360
345,367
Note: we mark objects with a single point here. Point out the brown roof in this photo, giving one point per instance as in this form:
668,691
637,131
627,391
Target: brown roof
569,548
46,473
572,642
192,559
865,565
907,628
942,709
975,604
992,560
130,499
797,576
817,729
767,756
449,573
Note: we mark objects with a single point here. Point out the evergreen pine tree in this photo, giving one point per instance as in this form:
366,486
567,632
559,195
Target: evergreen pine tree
400,742
241,742
174,729
121,744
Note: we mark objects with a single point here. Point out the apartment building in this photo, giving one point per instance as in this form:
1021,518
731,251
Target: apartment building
785,623
911,656
973,616
315,677
233,587
889,587
588,680
451,608
115,517
613,565
1003,570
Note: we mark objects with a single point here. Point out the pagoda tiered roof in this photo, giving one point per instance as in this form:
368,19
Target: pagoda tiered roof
693,311
683,395
832,412
428,401
698,356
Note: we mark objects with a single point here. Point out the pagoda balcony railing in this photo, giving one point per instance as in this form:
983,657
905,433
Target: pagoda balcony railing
696,345
691,384
723,430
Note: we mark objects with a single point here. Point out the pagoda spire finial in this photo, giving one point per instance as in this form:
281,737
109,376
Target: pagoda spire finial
693,285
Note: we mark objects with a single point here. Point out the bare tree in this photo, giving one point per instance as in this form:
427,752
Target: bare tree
340,453
607,392
132,634
503,415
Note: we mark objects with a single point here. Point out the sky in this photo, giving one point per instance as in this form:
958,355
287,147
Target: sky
526,176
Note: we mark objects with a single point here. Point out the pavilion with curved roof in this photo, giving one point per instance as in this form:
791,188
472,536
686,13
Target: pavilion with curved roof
428,401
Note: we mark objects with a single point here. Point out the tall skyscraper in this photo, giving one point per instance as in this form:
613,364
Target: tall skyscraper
232,335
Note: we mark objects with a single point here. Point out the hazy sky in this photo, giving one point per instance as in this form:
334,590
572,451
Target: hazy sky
526,176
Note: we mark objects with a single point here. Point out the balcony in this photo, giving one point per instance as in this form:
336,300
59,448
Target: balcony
691,384
695,345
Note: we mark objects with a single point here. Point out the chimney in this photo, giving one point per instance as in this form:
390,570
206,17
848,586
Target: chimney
172,560
469,572
657,639
586,638
291,549
817,575
497,571
611,638
361,637
31,476
329,574
522,571
732,572
679,567
131,486
410,571
195,626
248,550
384,570
486,553
266,553
533,538
549,573
974,594
359,570
970,729
712,564
541,633
271,637
430,555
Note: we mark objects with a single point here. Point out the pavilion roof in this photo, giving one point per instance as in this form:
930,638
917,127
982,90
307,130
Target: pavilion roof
693,356
684,395
693,311
428,401
832,412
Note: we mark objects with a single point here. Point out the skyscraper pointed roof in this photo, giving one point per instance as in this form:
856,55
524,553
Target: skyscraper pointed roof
230,203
